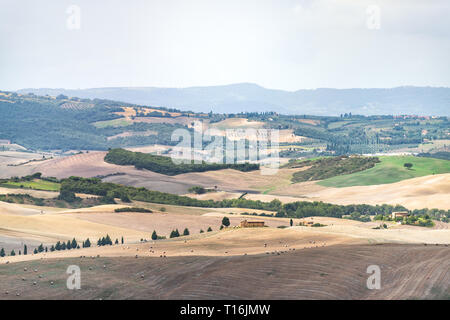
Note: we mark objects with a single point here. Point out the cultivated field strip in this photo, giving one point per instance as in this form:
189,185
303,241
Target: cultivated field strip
335,272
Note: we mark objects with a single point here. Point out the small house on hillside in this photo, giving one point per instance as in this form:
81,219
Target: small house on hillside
400,214
252,224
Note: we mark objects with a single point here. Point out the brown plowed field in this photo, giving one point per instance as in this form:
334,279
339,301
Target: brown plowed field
334,272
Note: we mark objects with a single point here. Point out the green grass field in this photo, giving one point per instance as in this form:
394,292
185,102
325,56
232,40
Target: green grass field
36,184
390,170
122,122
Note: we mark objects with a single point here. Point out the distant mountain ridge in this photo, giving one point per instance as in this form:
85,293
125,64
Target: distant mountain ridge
248,97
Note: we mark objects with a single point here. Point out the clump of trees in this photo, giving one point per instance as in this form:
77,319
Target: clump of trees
414,218
165,165
358,217
197,190
66,195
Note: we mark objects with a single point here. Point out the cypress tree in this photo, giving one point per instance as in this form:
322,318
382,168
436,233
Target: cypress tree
13,253
174,233
25,249
154,235
186,232
2,252
74,243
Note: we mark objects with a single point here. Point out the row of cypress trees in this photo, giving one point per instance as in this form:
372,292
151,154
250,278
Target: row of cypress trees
61,245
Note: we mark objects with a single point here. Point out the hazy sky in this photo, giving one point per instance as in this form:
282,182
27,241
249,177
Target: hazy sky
282,44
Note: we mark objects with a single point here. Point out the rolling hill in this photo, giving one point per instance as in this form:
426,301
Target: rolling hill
248,97
390,170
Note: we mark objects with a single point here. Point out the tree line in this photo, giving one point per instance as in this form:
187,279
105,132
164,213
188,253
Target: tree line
165,165
296,209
